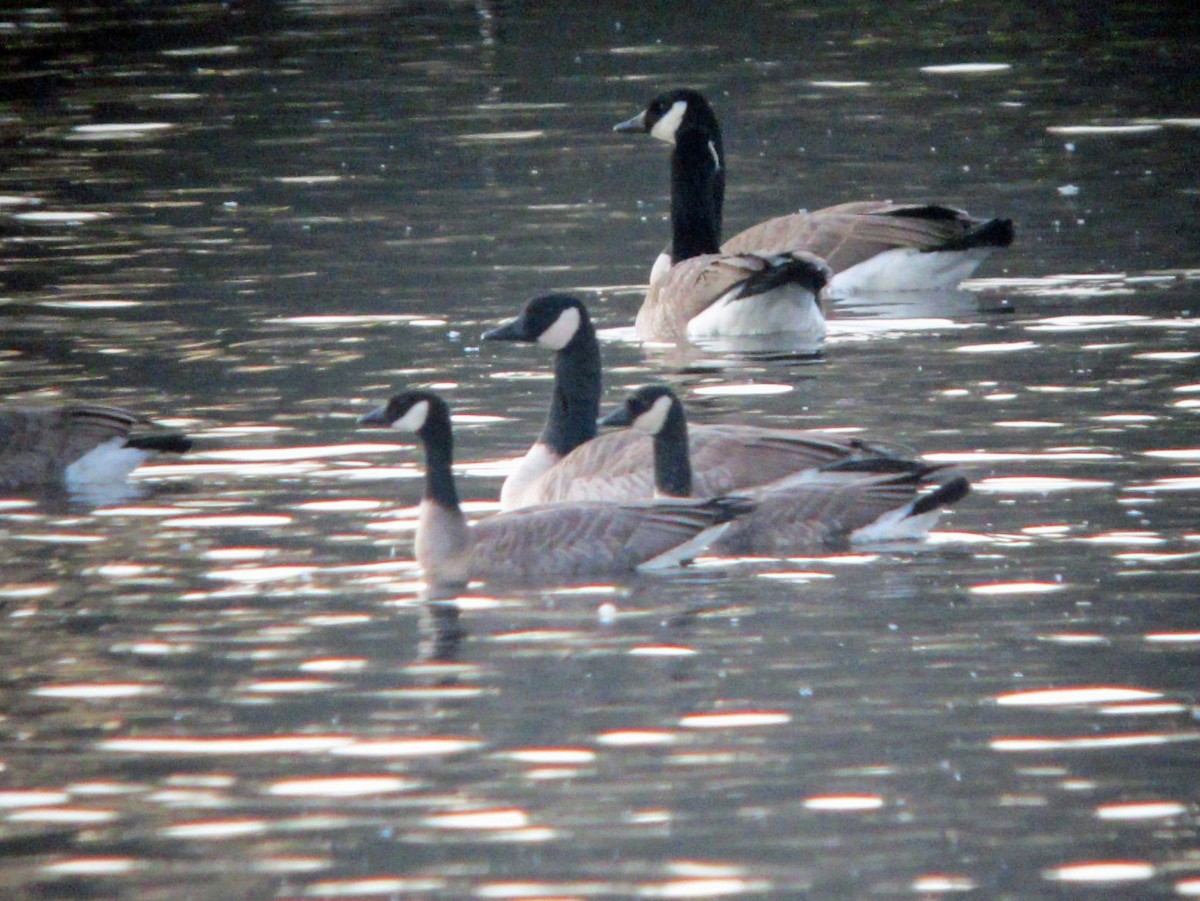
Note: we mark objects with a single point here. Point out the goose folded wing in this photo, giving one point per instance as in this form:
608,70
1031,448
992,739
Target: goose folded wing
849,233
582,539
729,458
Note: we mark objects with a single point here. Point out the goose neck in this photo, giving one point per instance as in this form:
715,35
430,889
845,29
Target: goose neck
672,463
697,194
575,405
439,458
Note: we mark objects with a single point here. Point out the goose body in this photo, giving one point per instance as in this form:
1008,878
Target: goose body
79,447
868,499
722,295
869,245
570,461
559,541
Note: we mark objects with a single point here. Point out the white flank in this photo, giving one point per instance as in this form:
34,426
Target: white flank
106,463
414,419
666,127
788,308
908,269
559,335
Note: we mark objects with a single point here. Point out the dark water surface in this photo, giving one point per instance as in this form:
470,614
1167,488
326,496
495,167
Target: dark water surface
256,220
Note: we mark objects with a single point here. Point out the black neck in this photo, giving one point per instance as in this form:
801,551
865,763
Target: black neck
697,194
672,460
575,405
439,455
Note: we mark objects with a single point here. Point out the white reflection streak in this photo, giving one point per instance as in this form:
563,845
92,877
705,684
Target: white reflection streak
1102,871
507,818
705,888
341,786
282,744
1074,696
217,829
92,866
1090,743
1140,810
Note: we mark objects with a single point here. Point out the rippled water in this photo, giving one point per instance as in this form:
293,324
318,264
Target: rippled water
255,221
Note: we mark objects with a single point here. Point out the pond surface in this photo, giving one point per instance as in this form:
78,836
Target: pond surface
256,221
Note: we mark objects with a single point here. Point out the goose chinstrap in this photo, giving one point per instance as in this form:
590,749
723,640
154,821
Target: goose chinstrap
869,499
558,541
571,461
870,246
84,448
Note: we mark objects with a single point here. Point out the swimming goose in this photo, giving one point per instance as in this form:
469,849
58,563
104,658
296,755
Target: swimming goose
539,543
869,245
569,461
703,292
78,447
868,499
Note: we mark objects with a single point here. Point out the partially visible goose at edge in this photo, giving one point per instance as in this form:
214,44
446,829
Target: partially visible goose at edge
556,541
569,461
84,448
871,499
871,246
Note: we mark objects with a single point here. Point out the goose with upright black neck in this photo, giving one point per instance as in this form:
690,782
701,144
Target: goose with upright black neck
570,461
869,246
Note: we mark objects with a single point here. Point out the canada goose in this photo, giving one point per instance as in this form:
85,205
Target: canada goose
868,499
540,543
79,447
869,245
570,462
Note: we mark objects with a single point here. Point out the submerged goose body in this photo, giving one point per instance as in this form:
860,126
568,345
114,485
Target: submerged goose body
560,541
868,499
868,245
570,461
79,447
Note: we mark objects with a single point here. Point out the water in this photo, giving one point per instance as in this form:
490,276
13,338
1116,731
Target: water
256,222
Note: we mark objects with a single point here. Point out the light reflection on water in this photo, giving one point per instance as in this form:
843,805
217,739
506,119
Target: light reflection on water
255,226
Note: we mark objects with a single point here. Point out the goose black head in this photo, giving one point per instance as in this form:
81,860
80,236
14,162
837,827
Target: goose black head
552,320
409,411
646,410
669,113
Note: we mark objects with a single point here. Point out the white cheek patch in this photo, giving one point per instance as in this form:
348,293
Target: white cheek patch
666,127
652,421
559,335
414,419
